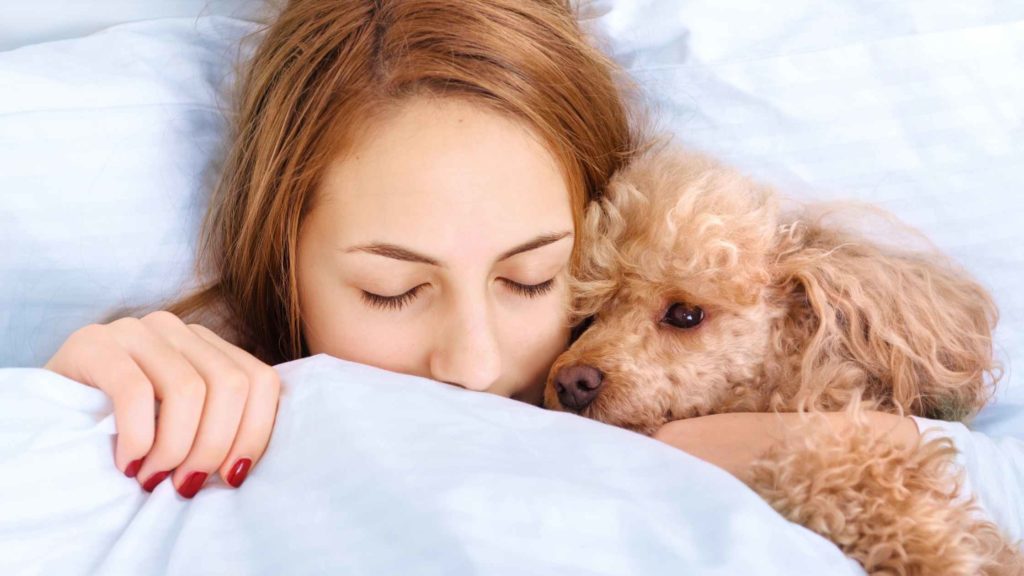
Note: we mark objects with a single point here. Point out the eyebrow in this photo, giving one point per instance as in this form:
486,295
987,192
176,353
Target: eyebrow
399,253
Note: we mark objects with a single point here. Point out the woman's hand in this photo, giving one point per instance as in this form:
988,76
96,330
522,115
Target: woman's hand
217,402
734,441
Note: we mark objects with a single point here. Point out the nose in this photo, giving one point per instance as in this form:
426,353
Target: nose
577,386
467,353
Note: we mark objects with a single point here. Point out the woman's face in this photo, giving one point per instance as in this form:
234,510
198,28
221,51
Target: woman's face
439,246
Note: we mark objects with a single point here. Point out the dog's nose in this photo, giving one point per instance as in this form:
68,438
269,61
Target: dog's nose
577,386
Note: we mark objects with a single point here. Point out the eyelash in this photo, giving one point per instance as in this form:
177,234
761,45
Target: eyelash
531,290
390,302
400,301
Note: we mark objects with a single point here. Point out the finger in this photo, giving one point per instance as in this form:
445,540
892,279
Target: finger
259,414
104,364
177,384
227,388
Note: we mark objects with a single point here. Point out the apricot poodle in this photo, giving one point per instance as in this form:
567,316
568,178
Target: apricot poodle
697,294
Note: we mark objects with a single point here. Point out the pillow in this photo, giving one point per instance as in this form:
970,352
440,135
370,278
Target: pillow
24,23
372,472
108,146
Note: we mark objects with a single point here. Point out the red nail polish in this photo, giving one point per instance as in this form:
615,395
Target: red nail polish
239,471
133,468
154,480
192,484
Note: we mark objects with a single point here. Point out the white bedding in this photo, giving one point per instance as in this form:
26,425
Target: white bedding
371,472
25,23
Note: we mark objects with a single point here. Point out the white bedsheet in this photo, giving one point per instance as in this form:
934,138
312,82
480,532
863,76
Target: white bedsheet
25,23
371,472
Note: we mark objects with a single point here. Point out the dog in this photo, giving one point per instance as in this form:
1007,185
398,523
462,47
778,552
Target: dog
697,294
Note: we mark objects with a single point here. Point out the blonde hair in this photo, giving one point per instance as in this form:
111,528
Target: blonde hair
324,68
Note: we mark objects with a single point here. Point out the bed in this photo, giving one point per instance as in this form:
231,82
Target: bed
110,123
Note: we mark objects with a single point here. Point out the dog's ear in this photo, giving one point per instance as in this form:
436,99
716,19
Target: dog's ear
910,331
597,263
675,214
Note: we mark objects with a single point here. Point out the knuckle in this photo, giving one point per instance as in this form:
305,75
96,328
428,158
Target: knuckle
200,328
88,334
134,390
208,334
269,378
126,381
235,382
123,323
191,389
89,329
160,317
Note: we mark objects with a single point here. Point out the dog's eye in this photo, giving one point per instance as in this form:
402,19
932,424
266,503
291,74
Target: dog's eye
682,315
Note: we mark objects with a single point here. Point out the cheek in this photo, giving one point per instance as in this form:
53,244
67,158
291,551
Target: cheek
534,339
742,340
347,333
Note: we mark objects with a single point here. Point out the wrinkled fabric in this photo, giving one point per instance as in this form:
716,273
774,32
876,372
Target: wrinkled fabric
373,472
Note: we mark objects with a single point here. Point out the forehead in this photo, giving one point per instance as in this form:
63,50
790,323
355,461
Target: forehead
446,169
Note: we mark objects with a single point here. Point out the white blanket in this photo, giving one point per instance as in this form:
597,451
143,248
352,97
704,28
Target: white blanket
371,472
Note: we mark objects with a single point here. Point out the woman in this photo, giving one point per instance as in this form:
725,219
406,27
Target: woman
402,189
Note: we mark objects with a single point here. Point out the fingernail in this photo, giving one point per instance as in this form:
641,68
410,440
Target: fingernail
192,484
133,468
154,480
239,471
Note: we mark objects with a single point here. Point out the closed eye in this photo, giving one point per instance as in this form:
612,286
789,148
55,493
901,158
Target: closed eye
530,290
391,302
400,301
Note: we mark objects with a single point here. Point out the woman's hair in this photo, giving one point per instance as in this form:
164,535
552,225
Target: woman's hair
325,68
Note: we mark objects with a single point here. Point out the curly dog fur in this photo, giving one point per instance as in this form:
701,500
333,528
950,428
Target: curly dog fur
798,314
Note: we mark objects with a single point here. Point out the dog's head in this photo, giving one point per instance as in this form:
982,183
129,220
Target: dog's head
675,281
696,297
